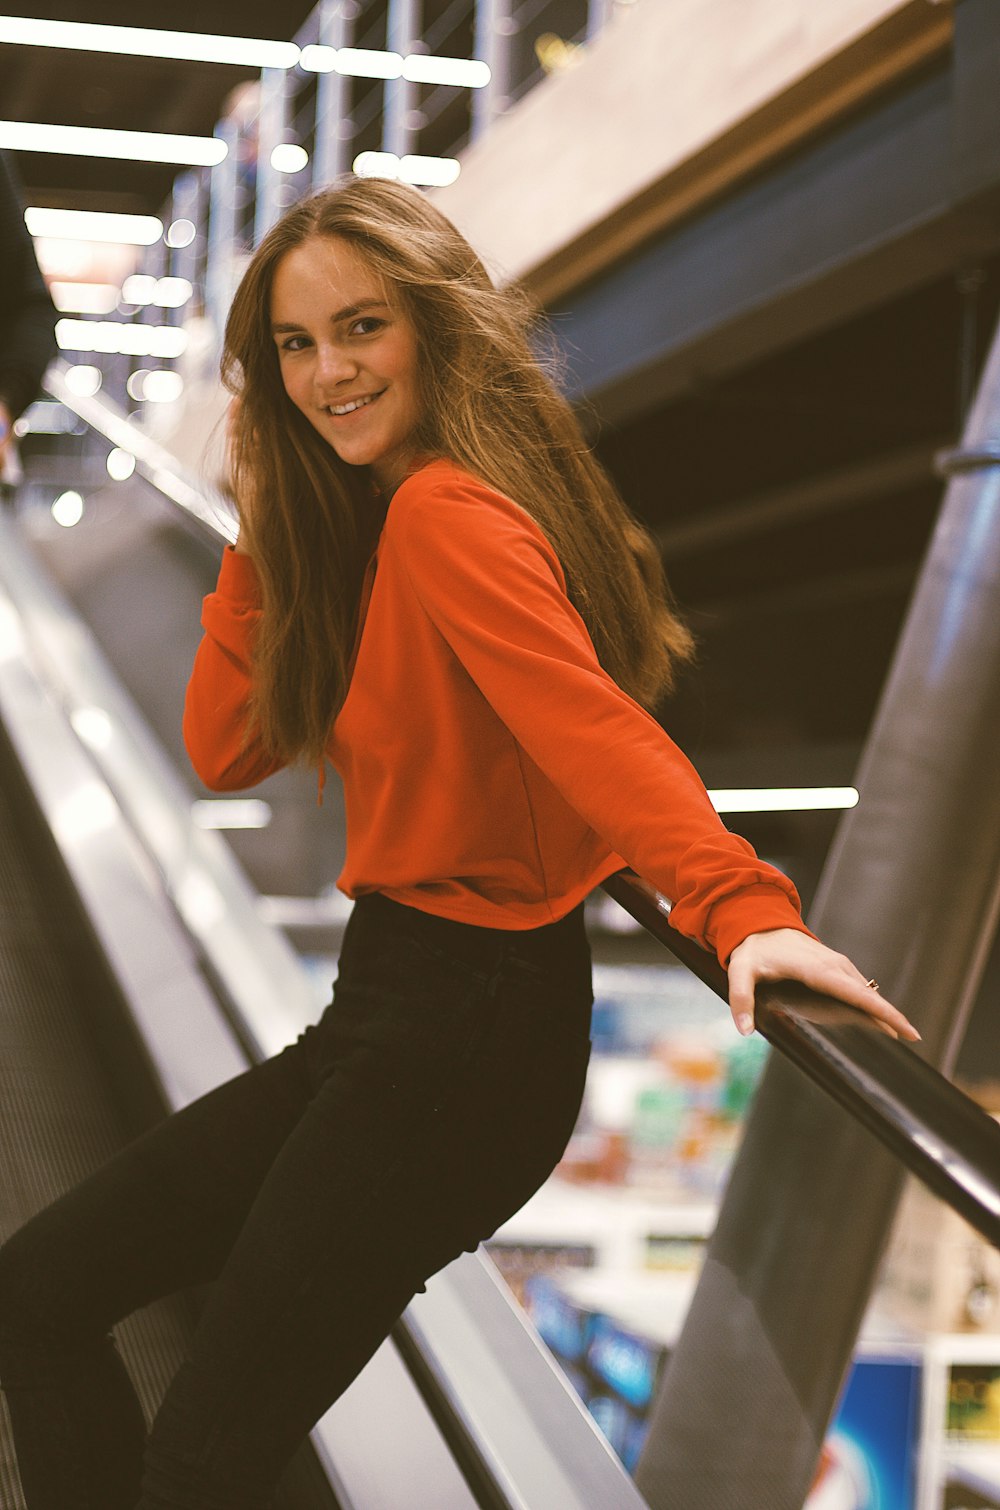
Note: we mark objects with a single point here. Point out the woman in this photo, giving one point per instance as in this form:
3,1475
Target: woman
435,586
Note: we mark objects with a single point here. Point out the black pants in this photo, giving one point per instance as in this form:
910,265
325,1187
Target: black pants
320,1190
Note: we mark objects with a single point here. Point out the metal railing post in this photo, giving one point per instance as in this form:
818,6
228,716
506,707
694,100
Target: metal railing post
755,1376
222,213
599,13
402,31
187,203
491,45
271,126
331,152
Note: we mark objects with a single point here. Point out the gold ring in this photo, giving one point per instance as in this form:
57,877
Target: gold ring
873,984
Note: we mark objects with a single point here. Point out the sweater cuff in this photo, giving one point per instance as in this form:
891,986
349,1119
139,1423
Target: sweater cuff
238,580
755,909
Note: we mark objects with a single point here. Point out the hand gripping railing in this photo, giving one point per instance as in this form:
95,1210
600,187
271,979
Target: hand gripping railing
941,1135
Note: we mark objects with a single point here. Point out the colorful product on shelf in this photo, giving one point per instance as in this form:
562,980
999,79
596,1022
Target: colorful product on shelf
869,1457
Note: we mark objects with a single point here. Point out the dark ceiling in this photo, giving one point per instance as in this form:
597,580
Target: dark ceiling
60,87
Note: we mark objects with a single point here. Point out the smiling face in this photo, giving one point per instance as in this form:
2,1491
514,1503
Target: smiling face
348,356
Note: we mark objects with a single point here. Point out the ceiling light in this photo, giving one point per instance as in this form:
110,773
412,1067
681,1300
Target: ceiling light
172,293
795,799
426,171
138,288
359,63
141,41
464,72
231,812
318,59
84,298
115,335
376,165
98,141
162,386
83,380
93,225
180,233
67,509
429,171
417,67
120,464
288,157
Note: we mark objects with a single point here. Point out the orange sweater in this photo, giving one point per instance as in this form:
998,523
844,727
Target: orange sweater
493,772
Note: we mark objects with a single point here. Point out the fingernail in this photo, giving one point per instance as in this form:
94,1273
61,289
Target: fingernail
745,1024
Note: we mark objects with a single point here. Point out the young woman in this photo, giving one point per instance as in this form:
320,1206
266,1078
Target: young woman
437,588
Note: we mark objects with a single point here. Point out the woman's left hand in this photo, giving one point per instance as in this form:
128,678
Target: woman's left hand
787,954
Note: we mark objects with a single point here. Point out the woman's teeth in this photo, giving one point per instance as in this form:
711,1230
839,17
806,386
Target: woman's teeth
358,403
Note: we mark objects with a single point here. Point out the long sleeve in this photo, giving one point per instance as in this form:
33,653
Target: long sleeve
27,318
494,589
218,693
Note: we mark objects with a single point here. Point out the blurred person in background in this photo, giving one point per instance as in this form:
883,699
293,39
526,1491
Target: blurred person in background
27,318
437,588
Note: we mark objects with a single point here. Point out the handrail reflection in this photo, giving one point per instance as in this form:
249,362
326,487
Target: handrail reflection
208,508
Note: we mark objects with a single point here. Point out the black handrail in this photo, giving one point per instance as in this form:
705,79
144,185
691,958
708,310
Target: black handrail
939,1133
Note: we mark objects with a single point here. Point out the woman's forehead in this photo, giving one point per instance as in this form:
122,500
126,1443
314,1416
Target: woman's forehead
329,269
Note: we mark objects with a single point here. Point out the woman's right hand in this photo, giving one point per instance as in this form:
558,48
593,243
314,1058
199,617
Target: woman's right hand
788,954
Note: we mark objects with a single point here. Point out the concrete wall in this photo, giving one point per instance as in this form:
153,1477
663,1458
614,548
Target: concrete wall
674,102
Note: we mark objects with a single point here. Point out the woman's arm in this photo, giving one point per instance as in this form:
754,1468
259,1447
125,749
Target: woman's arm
217,702
491,583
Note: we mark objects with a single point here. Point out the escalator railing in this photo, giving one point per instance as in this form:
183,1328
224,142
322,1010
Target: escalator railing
939,1133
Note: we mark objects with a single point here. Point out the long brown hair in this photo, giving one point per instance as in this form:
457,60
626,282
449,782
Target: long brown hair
487,405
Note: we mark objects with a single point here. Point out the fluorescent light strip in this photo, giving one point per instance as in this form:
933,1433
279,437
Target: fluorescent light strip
465,73
419,68
114,336
234,812
93,225
241,52
140,41
167,293
793,799
84,298
361,63
95,141
289,157
426,171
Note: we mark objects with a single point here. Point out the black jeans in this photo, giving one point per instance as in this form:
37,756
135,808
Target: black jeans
320,1190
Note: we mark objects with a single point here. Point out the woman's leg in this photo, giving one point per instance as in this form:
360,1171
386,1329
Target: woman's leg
458,1064
160,1216
323,1188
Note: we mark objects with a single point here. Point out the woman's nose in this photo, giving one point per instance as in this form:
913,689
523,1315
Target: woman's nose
333,366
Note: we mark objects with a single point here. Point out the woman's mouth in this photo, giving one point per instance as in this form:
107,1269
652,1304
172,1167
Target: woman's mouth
337,411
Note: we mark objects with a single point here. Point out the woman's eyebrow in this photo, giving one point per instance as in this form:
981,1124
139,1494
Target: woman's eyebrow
347,313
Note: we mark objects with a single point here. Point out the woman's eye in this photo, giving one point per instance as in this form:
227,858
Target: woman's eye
294,343
367,325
